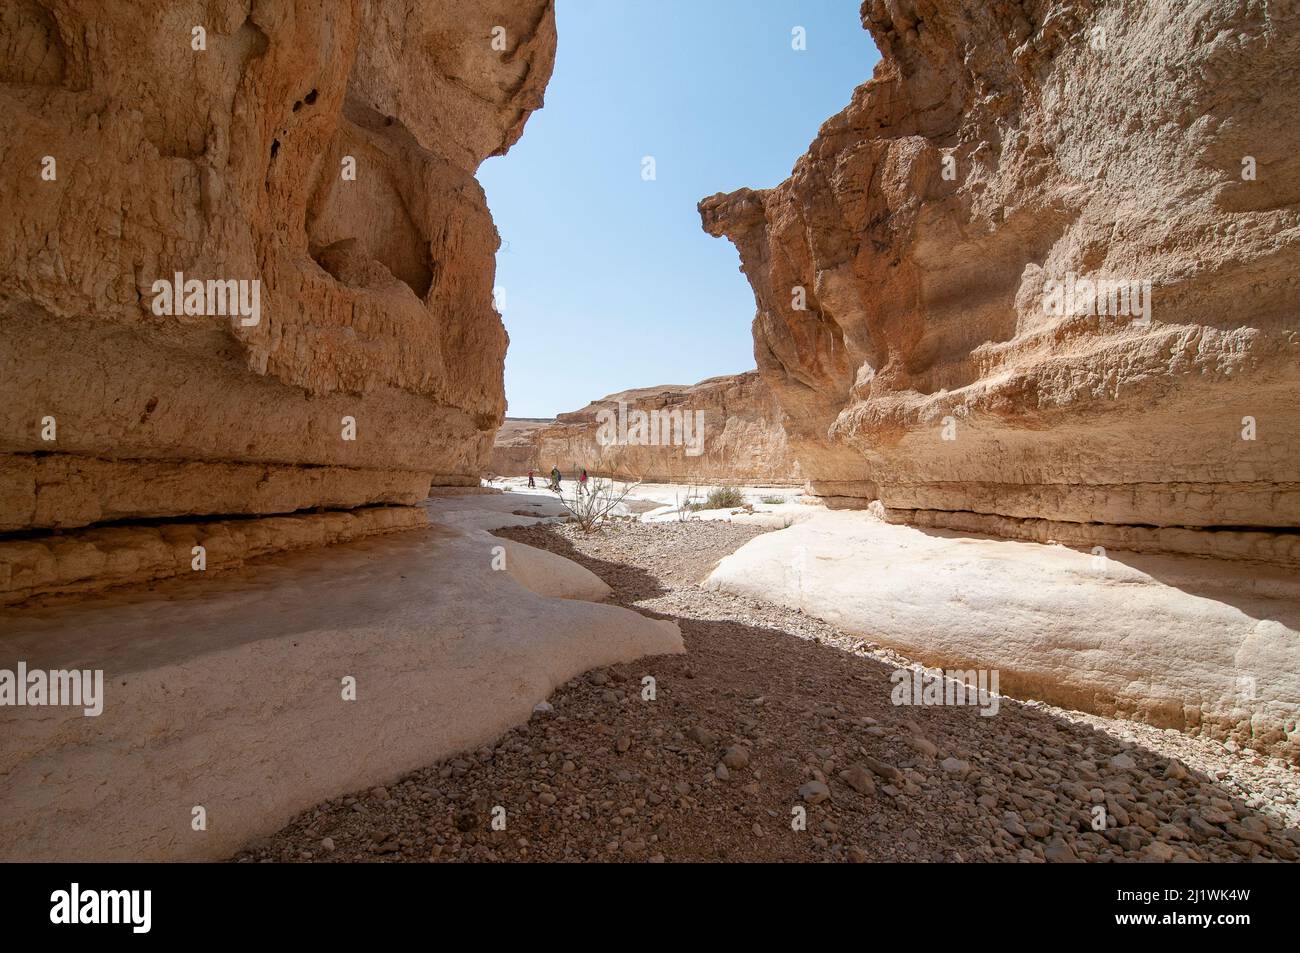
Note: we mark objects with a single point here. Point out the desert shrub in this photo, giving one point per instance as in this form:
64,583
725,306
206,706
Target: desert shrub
685,507
723,497
772,500
595,504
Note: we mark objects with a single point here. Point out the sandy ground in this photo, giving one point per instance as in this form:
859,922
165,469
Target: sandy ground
772,507
773,717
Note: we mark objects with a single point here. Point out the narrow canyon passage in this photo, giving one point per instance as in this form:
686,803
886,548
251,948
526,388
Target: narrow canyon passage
596,431
771,711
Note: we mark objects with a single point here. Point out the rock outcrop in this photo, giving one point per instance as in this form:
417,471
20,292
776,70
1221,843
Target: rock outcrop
259,692
1201,645
924,314
325,151
722,430
515,450
246,307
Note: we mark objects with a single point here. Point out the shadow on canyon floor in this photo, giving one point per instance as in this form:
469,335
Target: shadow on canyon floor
803,698
1261,591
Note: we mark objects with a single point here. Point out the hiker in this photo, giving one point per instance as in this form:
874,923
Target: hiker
582,481
556,479
531,485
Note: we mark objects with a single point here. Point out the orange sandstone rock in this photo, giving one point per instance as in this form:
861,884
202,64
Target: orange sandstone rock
326,152
722,430
1001,153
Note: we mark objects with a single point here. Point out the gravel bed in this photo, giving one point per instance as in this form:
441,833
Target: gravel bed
773,718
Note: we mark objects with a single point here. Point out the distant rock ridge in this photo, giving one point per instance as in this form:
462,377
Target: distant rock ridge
741,439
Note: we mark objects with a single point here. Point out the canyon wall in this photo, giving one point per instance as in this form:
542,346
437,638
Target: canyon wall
327,151
722,430
923,314
514,452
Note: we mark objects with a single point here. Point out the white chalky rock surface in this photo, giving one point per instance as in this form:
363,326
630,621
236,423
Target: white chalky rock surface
1180,642
225,692
547,574
491,510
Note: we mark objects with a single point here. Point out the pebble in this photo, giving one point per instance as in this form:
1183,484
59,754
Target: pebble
925,746
858,778
641,782
736,757
702,736
814,792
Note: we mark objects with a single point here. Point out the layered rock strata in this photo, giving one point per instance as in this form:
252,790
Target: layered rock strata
931,316
514,452
724,429
246,307
109,556
325,152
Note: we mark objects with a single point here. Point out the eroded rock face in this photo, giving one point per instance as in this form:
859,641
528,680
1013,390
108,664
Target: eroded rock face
722,430
1001,150
234,162
515,450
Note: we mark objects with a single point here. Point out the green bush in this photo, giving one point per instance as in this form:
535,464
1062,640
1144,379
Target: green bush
724,497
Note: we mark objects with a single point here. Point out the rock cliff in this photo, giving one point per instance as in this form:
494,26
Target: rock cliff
931,309
325,151
722,430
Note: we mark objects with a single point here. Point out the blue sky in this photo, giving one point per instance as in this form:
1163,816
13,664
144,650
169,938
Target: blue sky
607,280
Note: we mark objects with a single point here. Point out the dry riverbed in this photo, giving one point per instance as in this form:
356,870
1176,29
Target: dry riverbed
772,715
